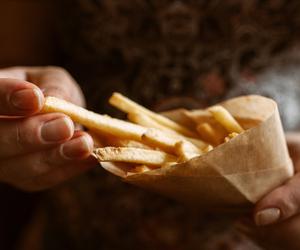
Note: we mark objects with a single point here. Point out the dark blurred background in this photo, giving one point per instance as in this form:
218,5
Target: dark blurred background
20,22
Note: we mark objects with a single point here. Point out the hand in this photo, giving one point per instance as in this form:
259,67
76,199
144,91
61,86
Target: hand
276,222
38,151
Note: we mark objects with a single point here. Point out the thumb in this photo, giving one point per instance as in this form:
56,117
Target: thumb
281,204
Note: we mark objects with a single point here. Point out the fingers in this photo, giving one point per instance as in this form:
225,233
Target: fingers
56,81
279,205
58,176
24,169
35,133
293,141
19,98
13,72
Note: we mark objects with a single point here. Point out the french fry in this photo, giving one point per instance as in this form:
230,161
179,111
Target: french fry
197,142
184,151
139,169
210,134
158,139
117,142
128,106
133,155
101,123
200,116
230,136
147,121
225,119
208,148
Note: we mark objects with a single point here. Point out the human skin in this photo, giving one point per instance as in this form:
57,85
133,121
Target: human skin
278,228
39,151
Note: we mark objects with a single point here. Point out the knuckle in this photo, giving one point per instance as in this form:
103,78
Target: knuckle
288,201
20,136
27,133
57,70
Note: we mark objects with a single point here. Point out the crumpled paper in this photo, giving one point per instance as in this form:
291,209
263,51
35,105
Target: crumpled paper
233,175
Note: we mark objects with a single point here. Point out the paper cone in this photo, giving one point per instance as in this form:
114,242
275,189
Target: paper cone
235,174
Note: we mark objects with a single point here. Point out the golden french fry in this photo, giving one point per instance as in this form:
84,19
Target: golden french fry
158,139
210,134
230,136
225,119
139,169
197,142
128,106
94,121
208,148
147,121
117,142
185,152
200,116
133,155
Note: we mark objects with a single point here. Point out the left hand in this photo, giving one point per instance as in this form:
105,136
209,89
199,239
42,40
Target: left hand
40,151
276,222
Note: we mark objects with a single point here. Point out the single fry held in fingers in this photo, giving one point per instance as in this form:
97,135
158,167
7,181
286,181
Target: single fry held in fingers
94,121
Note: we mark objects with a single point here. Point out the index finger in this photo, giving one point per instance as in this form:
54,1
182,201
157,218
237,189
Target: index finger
19,98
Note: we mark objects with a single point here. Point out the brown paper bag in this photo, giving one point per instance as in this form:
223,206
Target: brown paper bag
235,174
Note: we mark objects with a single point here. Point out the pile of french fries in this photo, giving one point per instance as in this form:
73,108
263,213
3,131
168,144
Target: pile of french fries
149,140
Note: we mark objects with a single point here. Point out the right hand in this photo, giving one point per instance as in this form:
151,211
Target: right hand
38,151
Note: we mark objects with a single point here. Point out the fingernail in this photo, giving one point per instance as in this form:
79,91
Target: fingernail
57,130
267,216
27,99
77,148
